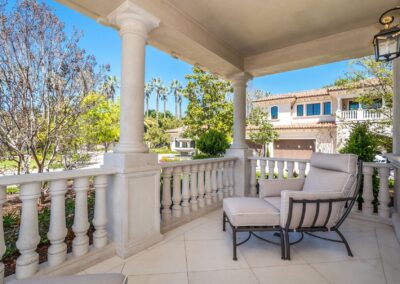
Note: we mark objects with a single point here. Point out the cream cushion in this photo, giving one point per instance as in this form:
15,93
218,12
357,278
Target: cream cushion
250,211
275,201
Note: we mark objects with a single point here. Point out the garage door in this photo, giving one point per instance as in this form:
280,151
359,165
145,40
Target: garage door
296,149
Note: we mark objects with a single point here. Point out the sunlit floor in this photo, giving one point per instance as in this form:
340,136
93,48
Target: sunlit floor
199,252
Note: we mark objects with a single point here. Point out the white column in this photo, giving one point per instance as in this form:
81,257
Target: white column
185,190
28,237
214,185
368,194
271,169
239,82
302,170
231,177
263,164
200,180
290,168
396,133
80,244
176,196
281,167
193,187
100,212
134,25
166,193
253,178
208,188
220,181
226,178
3,199
383,196
57,252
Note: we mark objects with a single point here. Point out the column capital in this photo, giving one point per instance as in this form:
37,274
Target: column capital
130,18
240,78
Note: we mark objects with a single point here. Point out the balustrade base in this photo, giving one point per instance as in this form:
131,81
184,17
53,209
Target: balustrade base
396,225
358,215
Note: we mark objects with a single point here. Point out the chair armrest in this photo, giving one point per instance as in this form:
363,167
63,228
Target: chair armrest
274,187
311,208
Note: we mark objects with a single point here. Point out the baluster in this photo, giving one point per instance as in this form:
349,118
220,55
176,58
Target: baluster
100,212
290,168
226,178
208,184
202,168
220,181
193,187
231,177
57,252
271,169
263,165
28,237
302,170
185,190
253,178
383,196
176,196
80,244
281,165
166,193
368,194
2,242
214,185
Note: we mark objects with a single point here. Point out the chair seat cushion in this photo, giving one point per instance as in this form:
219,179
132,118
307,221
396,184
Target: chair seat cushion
274,201
250,211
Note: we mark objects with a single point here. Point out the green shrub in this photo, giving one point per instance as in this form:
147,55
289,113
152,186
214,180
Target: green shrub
213,143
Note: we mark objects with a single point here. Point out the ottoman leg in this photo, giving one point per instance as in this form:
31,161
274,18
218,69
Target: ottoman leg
234,242
224,222
287,245
283,251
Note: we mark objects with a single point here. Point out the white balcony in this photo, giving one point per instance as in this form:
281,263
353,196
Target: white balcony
360,115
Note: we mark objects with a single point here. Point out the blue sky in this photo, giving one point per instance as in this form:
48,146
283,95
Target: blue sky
105,44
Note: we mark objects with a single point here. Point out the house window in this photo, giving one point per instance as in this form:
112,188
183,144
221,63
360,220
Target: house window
192,144
377,104
313,109
274,112
354,105
176,144
300,110
327,108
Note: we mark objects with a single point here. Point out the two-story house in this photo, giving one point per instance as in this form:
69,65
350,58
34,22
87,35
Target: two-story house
314,120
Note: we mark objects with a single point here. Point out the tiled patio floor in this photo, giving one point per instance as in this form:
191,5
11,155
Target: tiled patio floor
199,252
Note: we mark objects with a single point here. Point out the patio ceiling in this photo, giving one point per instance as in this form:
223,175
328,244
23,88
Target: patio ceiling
257,36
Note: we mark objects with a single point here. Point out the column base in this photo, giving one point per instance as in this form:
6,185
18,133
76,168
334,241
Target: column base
131,148
241,170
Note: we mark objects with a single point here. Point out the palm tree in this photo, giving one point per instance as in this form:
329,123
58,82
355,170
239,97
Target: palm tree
157,86
148,89
176,89
109,87
164,97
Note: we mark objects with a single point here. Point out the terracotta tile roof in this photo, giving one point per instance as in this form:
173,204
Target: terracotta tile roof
302,94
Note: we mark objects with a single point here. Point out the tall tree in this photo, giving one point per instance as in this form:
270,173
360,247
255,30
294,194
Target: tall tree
44,77
176,90
157,86
253,95
148,89
209,107
110,86
164,91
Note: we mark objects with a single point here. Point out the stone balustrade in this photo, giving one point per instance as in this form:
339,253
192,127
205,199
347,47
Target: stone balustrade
59,183
375,203
192,188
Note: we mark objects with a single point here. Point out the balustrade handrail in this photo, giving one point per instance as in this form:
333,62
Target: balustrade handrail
377,165
279,159
50,176
195,162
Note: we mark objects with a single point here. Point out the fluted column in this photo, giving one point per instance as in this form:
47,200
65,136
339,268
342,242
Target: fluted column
253,178
208,184
3,199
201,188
80,244
176,196
134,25
368,194
28,237
166,193
100,212
193,187
383,196
57,252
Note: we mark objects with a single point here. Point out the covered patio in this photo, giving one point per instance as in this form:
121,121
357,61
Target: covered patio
156,229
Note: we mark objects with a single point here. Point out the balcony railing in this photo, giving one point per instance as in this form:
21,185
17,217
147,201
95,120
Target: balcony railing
360,114
191,188
371,207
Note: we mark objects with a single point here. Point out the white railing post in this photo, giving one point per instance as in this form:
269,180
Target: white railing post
185,190
253,178
383,196
176,196
368,194
226,178
263,164
302,170
220,181
214,185
80,244
57,252
281,165
208,184
271,169
231,178
100,212
193,187
28,237
290,168
166,193
200,179
3,198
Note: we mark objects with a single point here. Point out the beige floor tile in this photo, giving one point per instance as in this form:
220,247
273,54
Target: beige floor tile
356,271
387,237
212,255
110,265
391,263
293,274
166,258
173,278
240,276
208,231
354,225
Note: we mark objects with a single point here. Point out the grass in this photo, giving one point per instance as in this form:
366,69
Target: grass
163,150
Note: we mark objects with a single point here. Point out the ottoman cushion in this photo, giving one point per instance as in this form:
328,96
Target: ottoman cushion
250,211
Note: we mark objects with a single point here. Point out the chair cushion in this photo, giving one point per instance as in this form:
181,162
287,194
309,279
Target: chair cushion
346,163
106,278
250,211
274,201
327,181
